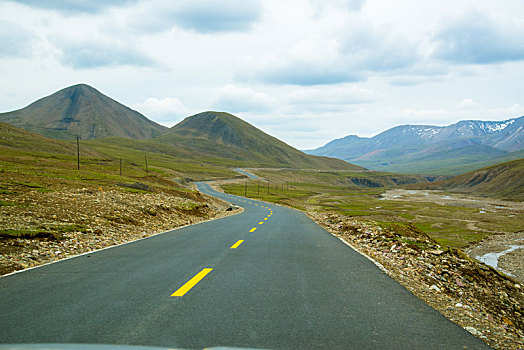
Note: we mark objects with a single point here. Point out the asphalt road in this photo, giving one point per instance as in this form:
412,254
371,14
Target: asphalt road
288,285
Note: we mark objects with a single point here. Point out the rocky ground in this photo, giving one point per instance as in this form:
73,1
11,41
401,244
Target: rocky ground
504,252
482,300
501,249
38,228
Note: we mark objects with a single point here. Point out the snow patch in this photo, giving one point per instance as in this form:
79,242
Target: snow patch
491,127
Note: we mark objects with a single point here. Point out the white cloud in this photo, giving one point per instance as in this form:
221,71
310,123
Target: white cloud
476,38
162,110
201,16
322,6
467,103
237,99
352,52
329,98
93,54
76,6
15,41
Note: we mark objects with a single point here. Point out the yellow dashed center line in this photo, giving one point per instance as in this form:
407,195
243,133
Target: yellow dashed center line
253,229
261,222
191,283
239,242
265,218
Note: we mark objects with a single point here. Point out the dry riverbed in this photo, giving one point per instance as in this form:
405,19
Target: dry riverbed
61,224
501,249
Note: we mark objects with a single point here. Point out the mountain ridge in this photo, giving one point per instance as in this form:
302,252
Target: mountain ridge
395,148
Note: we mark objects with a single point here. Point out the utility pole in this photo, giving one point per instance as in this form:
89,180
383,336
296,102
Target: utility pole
268,187
145,157
245,189
78,152
120,166
258,188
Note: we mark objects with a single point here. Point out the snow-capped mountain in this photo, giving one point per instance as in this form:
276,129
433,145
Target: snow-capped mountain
396,148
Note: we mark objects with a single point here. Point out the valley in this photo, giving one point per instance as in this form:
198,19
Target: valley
58,201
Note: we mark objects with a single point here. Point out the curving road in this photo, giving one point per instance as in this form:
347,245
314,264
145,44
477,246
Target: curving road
267,278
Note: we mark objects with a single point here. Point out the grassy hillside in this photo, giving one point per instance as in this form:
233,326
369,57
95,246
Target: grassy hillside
504,180
14,138
171,161
222,135
31,161
82,110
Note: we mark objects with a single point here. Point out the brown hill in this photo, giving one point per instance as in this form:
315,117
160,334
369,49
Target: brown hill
82,110
505,180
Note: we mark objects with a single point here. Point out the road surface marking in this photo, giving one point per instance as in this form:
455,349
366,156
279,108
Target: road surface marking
265,218
253,229
239,242
261,222
191,283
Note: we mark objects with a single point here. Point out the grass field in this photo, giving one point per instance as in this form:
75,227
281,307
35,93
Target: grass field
451,224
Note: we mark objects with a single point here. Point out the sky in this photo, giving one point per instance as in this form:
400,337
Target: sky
304,71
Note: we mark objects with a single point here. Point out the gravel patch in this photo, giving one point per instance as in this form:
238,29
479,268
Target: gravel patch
71,222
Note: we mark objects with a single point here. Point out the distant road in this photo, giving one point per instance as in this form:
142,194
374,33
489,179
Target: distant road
267,278
250,175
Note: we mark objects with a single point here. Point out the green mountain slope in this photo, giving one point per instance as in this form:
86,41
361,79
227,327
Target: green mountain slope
504,180
82,110
222,135
17,139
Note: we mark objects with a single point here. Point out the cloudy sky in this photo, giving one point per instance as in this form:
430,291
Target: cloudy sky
305,71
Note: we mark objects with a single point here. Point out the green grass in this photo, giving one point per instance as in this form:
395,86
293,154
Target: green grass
54,232
330,192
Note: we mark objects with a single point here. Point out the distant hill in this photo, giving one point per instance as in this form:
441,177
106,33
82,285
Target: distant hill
82,110
219,134
504,180
452,149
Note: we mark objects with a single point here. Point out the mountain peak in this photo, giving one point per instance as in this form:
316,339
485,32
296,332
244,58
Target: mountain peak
219,126
82,110
224,135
